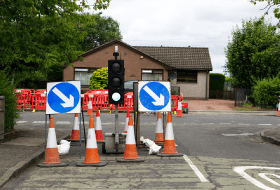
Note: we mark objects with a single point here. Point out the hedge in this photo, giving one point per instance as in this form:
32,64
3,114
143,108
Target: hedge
267,91
7,90
216,81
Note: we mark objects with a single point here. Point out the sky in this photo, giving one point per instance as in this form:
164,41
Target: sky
183,23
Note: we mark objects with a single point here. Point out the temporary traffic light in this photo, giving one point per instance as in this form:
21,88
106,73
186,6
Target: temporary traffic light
116,81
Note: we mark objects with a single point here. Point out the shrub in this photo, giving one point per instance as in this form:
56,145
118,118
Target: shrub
7,90
216,81
267,91
99,79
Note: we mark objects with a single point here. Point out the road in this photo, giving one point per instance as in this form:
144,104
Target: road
221,151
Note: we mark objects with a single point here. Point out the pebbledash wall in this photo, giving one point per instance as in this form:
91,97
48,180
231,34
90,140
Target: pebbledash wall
195,90
133,63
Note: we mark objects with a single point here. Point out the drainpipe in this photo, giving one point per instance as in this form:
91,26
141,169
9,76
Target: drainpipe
206,84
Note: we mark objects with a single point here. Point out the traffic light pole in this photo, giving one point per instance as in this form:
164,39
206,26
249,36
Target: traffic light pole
116,128
116,54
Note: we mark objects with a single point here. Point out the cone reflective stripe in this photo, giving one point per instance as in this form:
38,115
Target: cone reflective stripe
169,142
126,121
51,155
75,131
179,110
89,110
98,129
278,113
130,151
92,156
159,138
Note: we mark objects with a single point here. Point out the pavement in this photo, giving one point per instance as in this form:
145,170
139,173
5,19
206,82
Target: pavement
16,155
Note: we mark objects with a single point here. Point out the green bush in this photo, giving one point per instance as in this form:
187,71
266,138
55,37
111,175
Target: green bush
216,81
267,91
99,79
7,90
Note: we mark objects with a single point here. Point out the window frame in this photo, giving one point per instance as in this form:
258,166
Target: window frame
89,71
195,74
153,71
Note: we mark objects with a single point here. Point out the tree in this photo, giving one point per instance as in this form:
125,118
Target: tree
39,33
99,29
99,79
253,53
270,5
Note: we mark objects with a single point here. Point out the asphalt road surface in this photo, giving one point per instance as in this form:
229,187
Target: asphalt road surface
220,152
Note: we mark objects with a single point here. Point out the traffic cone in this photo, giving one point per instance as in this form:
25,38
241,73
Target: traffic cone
75,131
169,148
130,152
92,157
159,138
51,154
126,121
179,110
98,131
89,110
278,114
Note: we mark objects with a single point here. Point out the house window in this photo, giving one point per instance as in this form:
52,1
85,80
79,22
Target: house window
83,75
187,76
152,74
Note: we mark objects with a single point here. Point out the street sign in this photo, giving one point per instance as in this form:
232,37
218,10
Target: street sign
63,97
154,96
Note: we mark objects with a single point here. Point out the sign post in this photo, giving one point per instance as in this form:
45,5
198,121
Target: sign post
64,97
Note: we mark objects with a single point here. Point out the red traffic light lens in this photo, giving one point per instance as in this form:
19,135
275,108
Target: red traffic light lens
116,67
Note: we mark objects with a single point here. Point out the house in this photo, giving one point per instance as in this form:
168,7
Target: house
185,67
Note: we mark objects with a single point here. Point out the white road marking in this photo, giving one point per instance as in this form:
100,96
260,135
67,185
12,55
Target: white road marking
39,122
195,169
264,176
233,135
243,124
264,124
225,123
63,122
241,171
21,121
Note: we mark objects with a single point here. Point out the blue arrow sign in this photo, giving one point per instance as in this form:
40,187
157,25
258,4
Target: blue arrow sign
63,98
154,96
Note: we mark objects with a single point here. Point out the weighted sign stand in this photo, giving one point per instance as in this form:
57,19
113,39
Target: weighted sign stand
80,124
64,97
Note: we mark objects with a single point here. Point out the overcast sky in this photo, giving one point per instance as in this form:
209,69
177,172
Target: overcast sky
183,23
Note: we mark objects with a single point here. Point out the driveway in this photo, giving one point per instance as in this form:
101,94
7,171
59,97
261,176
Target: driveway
211,104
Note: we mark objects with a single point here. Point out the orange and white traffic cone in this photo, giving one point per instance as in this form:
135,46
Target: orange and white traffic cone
169,148
130,152
89,110
126,121
278,114
92,157
159,138
75,131
51,154
98,130
179,110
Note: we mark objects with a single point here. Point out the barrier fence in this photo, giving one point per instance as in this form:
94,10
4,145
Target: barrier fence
31,99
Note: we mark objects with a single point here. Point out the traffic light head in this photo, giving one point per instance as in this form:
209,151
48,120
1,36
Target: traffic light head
116,81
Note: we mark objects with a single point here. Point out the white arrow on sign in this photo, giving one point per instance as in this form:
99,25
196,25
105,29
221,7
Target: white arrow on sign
68,102
159,101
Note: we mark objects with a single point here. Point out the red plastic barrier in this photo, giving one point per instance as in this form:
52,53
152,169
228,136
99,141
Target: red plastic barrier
39,101
27,98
